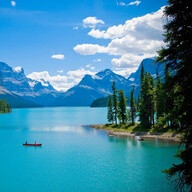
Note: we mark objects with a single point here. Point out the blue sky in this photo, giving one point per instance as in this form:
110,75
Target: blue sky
61,40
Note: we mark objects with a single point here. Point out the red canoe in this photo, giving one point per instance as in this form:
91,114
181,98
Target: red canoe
34,144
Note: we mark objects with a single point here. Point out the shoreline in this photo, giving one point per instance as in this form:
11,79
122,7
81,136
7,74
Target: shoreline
145,135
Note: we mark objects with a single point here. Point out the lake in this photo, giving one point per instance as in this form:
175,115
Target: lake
75,157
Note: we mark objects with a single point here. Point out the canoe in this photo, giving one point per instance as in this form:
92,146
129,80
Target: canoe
33,144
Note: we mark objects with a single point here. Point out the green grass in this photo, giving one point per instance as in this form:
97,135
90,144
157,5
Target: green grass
133,128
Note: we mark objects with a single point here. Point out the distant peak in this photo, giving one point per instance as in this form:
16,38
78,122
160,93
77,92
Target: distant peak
104,72
18,69
107,71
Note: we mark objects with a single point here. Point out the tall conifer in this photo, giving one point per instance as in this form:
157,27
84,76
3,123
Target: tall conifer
132,106
178,56
110,114
115,102
122,107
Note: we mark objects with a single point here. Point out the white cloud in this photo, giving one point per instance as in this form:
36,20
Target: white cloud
128,4
58,56
124,71
89,49
78,74
92,22
128,63
13,3
131,42
96,33
135,3
147,26
61,82
58,82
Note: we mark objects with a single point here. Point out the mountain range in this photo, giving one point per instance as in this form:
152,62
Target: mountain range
21,91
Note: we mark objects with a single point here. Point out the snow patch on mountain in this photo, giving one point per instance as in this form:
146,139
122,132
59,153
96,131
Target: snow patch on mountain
18,69
85,87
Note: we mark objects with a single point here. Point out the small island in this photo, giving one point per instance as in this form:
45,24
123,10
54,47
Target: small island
4,107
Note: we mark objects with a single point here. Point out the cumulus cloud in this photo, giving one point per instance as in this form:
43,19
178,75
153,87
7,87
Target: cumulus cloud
124,71
58,56
13,3
136,39
92,22
147,26
89,49
128,63
61,82
78,74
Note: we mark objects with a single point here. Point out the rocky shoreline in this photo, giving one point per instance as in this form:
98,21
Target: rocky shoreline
144,135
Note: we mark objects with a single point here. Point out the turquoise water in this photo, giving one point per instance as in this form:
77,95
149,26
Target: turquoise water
76,158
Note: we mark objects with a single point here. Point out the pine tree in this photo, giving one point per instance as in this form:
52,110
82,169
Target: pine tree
4,107
142,73
122,107
110,114
115,102
169,97
178,57
159,98
143,108
137,103
150,94
160,104
132,107
147,101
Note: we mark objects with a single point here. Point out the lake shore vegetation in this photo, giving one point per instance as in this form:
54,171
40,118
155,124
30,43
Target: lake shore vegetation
4,107
165,102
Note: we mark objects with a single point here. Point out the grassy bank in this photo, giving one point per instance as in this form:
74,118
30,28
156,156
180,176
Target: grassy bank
133,130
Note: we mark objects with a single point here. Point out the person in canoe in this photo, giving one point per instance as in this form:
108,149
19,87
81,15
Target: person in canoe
32,144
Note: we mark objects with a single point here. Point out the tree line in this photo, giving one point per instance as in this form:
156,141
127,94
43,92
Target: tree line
150,104
4,107
117,110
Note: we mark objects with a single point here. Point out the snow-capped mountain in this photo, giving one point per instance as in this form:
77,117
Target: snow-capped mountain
15,100
15,81
99,85
91,88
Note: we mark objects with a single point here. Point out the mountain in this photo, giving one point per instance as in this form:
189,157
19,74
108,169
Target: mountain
101,102
98,86
150,66
14,80
91,88
21,91
15,101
